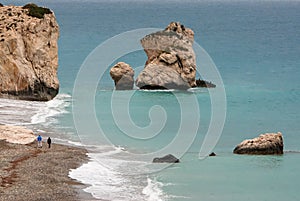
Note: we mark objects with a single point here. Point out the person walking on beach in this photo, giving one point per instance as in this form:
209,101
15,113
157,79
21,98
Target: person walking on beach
49,142
39,139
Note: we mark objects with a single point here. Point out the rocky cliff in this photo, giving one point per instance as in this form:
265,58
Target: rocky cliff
171,60
28,53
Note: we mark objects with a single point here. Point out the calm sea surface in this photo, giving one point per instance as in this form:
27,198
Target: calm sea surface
255,47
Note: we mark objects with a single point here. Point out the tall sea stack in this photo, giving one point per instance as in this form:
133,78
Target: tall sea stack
28,53
171,60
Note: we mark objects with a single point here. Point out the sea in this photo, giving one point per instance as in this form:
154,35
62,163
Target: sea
249,49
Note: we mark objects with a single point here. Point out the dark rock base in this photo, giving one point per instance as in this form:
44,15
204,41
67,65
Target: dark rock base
40,93
203,83
166,159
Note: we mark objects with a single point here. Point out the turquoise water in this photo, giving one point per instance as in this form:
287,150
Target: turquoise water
255,46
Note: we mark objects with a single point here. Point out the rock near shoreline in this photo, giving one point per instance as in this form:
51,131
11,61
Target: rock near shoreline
28,53
265,144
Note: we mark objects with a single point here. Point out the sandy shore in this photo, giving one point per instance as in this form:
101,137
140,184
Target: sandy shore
31,173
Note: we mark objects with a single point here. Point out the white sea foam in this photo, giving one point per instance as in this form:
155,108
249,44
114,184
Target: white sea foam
157,90
41,131
75,143
52,108
19,112
109,178
197,90
153,190
105,183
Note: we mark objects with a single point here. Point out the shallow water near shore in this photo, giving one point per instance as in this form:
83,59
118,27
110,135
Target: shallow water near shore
255,48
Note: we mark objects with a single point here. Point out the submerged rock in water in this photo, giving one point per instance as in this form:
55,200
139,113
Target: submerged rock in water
212,154
122,74
171,60
28,53
166,159
265,144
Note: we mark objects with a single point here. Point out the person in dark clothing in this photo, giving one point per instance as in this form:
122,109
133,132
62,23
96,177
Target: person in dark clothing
49,142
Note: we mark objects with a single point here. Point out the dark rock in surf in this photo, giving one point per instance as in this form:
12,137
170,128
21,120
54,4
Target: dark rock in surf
212,154
203,83
166,159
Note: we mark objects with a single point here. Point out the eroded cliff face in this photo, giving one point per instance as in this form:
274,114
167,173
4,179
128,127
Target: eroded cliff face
171,59
28,55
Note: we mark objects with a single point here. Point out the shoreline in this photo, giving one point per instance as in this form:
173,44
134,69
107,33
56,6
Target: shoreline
31,173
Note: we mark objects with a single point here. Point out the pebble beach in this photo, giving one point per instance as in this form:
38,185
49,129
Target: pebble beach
31,173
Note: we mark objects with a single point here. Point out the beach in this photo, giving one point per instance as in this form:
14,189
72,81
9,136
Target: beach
31,173
254,46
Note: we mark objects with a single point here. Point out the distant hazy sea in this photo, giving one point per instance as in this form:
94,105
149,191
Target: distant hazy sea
255,46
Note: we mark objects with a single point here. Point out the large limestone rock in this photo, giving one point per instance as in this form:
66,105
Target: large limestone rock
122,74
16,134
265,144
159,77
28,55
171,60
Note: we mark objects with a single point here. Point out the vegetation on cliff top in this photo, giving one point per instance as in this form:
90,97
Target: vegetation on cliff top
36,11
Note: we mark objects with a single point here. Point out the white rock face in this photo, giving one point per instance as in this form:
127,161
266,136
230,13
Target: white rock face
16,134
28,55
